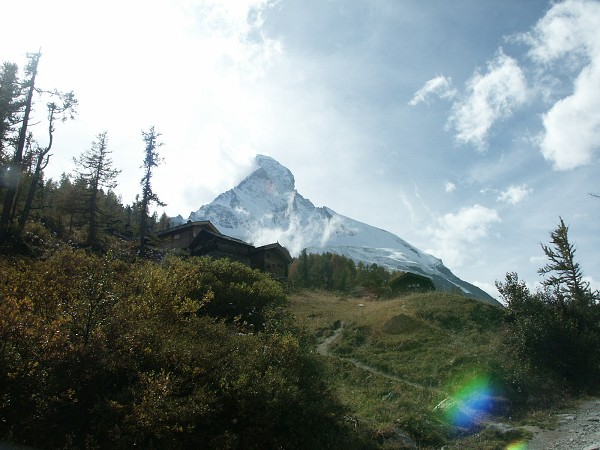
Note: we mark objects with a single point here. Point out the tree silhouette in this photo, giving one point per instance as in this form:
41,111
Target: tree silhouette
151,160
96,168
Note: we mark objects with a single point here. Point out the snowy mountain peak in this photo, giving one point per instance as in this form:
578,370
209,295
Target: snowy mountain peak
281,177
265,207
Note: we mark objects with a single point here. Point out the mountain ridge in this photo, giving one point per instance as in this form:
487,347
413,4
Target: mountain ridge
266,207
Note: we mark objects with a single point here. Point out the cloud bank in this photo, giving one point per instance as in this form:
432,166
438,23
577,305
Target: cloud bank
569,34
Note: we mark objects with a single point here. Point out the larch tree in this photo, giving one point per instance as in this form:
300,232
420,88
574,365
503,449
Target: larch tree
556,330
564,273
164,222
151,160
95,167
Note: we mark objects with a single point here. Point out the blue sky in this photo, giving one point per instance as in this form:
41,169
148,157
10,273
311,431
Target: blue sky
465,127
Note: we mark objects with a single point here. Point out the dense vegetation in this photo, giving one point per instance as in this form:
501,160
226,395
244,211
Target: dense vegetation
80,206
332,272
96,352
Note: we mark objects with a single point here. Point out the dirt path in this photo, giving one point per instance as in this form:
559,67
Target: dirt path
579,430
323,349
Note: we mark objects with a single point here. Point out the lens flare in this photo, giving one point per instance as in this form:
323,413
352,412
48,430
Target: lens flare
469,403
520,445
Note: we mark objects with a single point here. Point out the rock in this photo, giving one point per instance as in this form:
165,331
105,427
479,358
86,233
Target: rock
595,446
502,428
531,429
565,417
396,438
352,421
388,396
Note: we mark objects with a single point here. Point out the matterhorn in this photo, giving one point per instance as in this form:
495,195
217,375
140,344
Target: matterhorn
265,207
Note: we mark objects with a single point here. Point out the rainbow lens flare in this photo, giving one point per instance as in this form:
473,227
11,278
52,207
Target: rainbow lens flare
469,403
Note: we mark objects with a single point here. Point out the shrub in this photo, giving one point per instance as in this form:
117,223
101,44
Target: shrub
98,353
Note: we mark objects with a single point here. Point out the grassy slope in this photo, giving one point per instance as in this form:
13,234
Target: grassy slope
437,342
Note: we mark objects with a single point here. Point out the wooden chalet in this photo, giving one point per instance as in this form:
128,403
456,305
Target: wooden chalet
407,282
217,245
203,239
272,258
181,236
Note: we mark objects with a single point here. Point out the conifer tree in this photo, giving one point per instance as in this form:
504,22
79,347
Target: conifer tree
565,275
95,167
164,222
56,111
9,104
14,170
151,160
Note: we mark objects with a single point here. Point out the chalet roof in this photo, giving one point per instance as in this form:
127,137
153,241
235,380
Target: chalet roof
277,247
204,234
404,275
199,223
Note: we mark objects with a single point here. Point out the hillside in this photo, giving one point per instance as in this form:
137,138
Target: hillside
392,362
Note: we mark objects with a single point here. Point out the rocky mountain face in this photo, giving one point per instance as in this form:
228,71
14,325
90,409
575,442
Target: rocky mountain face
265,207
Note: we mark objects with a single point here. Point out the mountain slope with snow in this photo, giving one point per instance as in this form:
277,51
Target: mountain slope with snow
265,207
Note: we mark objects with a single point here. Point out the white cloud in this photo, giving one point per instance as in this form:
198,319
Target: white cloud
569,35
439,86
490,97
514,194
569,28
572,125
449,186
455,235
594,284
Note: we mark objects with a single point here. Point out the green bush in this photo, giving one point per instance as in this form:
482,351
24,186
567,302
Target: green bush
185,354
